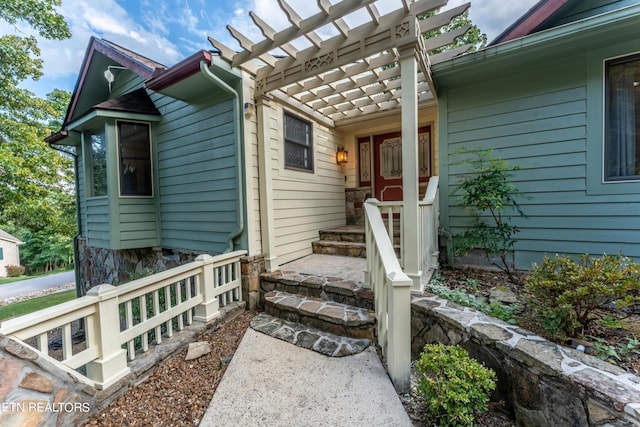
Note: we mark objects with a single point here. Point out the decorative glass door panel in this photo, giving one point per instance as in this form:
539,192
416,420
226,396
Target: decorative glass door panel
388,164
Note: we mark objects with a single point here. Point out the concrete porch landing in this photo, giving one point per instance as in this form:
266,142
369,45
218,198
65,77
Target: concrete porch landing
344,267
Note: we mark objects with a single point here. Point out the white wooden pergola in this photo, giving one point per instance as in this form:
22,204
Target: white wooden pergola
380,65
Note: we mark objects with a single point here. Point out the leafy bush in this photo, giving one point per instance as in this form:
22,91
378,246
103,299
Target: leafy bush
491,197
569,295
15,270
455,386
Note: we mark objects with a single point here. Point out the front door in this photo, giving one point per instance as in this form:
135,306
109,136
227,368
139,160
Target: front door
387,160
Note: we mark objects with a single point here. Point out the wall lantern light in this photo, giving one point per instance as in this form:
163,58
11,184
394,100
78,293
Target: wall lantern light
249,109
342,155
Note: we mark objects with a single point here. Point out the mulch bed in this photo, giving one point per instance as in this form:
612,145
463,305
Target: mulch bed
178,392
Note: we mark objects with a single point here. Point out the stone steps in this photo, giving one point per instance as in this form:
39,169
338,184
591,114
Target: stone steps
343,241
308,337
328,316
327,288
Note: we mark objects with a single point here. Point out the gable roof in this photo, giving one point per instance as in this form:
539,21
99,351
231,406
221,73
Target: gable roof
136,63
8,237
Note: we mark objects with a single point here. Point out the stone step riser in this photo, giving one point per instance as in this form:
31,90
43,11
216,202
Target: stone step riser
328,247
327,288
335,318
353,237
337,236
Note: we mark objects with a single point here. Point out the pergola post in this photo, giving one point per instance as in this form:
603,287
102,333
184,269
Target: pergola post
266,184
409,116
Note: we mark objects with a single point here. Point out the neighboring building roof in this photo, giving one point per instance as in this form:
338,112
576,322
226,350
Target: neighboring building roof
530,21
137,101
8,237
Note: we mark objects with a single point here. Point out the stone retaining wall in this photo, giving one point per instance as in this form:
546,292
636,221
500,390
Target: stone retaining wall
34,391
541,383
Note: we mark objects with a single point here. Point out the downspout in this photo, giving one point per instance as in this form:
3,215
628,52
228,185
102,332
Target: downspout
76,254
236,105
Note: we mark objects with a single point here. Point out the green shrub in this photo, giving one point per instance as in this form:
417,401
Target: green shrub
455,386
490,196
15,270
569,295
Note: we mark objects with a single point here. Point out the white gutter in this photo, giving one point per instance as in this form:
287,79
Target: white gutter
237,113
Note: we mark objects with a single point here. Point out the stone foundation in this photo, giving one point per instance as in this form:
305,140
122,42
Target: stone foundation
541,383
97,266
354,204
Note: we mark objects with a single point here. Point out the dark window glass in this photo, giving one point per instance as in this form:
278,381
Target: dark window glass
622,119
298,143
98,168
134,158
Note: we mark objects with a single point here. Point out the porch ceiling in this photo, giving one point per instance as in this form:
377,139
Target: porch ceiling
352,73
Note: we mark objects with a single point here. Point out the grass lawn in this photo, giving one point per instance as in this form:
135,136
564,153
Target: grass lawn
5,280
35,304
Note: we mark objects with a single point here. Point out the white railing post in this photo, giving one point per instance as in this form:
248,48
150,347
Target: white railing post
399,329
210,307
111,364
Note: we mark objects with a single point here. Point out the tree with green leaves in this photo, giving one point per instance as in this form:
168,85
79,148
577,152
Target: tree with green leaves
473,37
36,183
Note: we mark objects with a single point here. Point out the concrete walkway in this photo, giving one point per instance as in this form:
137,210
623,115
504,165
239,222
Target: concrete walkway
272,383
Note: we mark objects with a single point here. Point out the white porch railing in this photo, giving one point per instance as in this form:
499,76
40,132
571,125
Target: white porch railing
429,214
122,321
392,290
428,226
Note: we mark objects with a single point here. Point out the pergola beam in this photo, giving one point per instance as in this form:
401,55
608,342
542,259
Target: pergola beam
304,26
354,72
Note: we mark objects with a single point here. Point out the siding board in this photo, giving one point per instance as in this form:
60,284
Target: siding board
542,126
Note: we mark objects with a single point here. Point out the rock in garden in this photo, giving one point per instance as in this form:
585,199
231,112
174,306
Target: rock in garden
197,349
503,295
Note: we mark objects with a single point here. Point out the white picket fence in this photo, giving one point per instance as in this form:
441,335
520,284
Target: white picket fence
117,322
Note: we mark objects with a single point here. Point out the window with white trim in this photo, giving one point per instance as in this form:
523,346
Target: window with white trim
298,143
622,119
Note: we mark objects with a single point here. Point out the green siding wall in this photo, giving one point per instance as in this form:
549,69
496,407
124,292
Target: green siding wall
197,173
98,226
537,116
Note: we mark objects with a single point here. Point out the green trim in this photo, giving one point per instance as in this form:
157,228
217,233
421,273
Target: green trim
595,119
88,121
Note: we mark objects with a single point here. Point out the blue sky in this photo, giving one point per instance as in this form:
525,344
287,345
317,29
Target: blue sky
168,31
